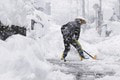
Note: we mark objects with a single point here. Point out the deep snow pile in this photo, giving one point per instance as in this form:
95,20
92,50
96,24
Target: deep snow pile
21,58
52,42
110,46
13,12
114,26
41,28
91,35
109,57
20,13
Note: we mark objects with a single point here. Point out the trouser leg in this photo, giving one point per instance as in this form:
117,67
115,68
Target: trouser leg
78,48
67,48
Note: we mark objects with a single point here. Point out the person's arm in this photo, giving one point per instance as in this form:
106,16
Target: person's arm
77,33
63,29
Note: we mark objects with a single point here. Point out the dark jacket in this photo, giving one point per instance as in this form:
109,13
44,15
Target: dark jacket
71,30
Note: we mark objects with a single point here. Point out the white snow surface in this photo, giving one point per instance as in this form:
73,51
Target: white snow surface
22,59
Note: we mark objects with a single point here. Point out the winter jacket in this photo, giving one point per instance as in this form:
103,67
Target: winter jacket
71,30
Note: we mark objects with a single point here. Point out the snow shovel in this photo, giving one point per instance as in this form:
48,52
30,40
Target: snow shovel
93,57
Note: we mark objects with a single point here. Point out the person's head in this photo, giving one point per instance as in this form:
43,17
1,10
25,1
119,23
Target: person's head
80,21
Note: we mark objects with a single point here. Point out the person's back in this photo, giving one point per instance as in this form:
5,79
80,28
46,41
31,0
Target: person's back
68,30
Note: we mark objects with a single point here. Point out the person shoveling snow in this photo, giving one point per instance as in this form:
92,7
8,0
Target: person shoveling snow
71,32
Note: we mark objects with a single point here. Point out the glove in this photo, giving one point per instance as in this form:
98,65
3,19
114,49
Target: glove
76,37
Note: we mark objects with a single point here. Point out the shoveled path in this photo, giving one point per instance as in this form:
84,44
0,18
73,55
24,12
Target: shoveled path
80,69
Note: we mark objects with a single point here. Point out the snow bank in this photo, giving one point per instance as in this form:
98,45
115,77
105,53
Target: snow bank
109,52
52,42
13,12
17,12
111,46
21,58
91,36
41,27
114,26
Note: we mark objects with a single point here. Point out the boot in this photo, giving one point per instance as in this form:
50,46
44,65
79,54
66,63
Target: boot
81,56
63,57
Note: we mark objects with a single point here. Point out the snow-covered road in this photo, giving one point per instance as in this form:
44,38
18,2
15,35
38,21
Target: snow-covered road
82,69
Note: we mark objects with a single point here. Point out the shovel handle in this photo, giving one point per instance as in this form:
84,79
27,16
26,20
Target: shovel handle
89,54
